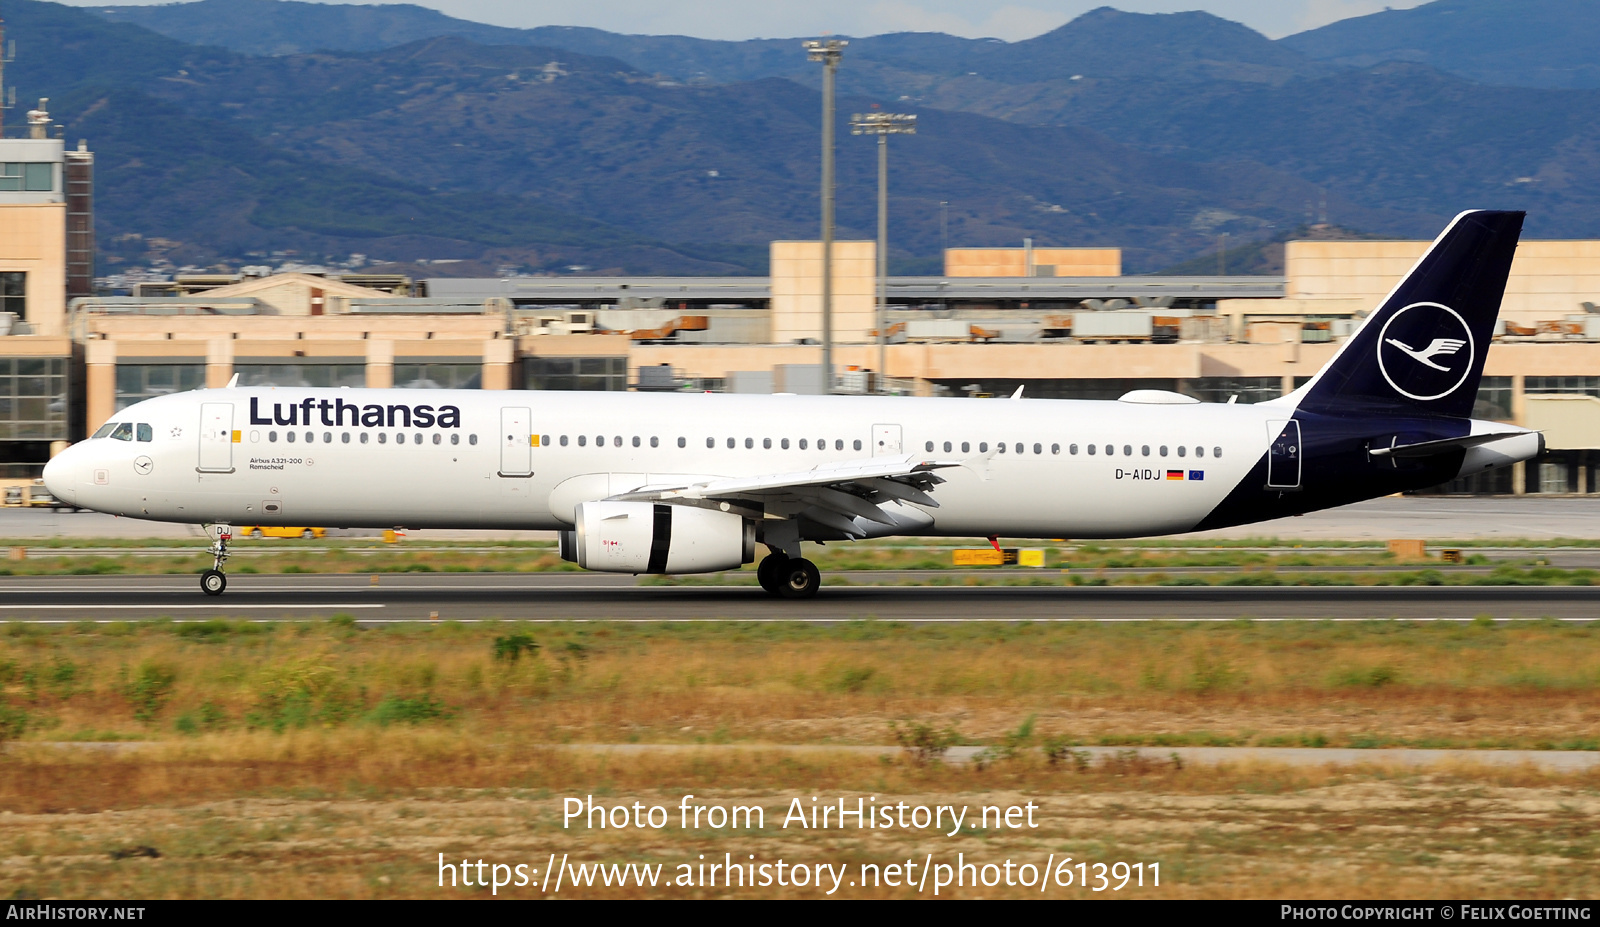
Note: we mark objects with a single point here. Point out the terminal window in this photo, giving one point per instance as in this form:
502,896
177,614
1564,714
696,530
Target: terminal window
33,399
301,375
438,376
577,373
25,177
138,382
14,293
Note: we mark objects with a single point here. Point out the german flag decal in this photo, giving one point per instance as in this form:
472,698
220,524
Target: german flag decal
1174,474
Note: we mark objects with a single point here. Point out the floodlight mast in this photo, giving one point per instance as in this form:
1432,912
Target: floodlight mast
883,125
827,52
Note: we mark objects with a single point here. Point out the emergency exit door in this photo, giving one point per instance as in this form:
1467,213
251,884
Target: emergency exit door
216,437
1283,460
886,440
516,442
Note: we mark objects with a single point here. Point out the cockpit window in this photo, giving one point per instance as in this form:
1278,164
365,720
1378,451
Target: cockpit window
145,432
123,431
103,430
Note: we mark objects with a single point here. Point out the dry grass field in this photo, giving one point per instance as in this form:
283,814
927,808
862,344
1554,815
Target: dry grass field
324,759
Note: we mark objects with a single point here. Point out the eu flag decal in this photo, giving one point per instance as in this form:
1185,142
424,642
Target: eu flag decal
1174,474
1197,474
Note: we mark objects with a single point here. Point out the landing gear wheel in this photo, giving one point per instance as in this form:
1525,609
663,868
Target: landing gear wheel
212,582
799,578
308,534
767,572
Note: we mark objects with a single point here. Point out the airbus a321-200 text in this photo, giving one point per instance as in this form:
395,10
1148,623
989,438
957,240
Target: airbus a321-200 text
691,483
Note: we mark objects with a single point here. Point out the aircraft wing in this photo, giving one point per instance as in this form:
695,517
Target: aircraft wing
834,494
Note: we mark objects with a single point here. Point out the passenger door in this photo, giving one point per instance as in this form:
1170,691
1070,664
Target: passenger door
516,442
1283,461
216,437
886,440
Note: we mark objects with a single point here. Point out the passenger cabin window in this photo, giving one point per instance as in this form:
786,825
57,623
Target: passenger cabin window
682,442
1072,449
288,436
273,436
383,437
966,447
1199,452
731,443
1091,450
928,447
1127,450
857,444
766,444
1038,449
1055,448
1182,451
1163,450
711,442
1145,450
472,439
983,447
456,439
617,441
749,443
784,444
635,440
563,440
344,438
400,438
1216,452
583,440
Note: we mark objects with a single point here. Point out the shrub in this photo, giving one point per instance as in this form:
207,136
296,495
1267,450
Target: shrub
509,648
922,742
148,689
398,709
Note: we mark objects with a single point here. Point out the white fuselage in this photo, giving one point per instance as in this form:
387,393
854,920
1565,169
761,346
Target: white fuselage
517,459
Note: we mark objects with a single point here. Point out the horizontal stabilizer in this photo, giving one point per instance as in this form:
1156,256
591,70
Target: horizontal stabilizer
1442,446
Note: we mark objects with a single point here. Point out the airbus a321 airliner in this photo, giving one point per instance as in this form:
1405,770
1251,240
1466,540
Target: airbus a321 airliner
652,483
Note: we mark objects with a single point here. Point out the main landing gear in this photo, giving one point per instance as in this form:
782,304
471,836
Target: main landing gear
790,577
213,581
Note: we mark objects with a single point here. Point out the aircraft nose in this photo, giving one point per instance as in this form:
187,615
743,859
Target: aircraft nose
64,472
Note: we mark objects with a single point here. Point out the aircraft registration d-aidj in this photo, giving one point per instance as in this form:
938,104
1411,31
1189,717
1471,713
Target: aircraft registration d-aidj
652,483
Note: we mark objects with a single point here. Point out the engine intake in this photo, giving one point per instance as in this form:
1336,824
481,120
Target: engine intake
645,537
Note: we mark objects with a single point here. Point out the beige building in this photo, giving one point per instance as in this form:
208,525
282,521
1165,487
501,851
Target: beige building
1033,262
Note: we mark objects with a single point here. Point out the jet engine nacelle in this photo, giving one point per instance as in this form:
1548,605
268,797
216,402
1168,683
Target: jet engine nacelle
646,537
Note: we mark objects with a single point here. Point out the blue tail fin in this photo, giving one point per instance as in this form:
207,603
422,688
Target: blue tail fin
1422,351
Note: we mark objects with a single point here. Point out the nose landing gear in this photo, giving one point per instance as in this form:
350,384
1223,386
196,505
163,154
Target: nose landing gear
214,581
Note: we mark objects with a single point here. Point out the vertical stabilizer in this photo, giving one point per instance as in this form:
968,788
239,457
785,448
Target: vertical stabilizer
1422,350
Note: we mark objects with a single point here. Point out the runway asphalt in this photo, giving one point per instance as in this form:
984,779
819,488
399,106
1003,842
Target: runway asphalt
582,596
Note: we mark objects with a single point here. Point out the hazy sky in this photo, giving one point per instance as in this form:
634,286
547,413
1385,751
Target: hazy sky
1006,19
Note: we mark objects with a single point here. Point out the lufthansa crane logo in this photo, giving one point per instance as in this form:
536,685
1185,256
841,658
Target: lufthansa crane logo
1425,351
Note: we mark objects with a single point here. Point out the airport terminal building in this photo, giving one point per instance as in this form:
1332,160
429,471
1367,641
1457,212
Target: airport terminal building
1060,322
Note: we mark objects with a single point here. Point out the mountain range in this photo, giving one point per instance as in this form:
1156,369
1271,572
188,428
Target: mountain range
404,133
